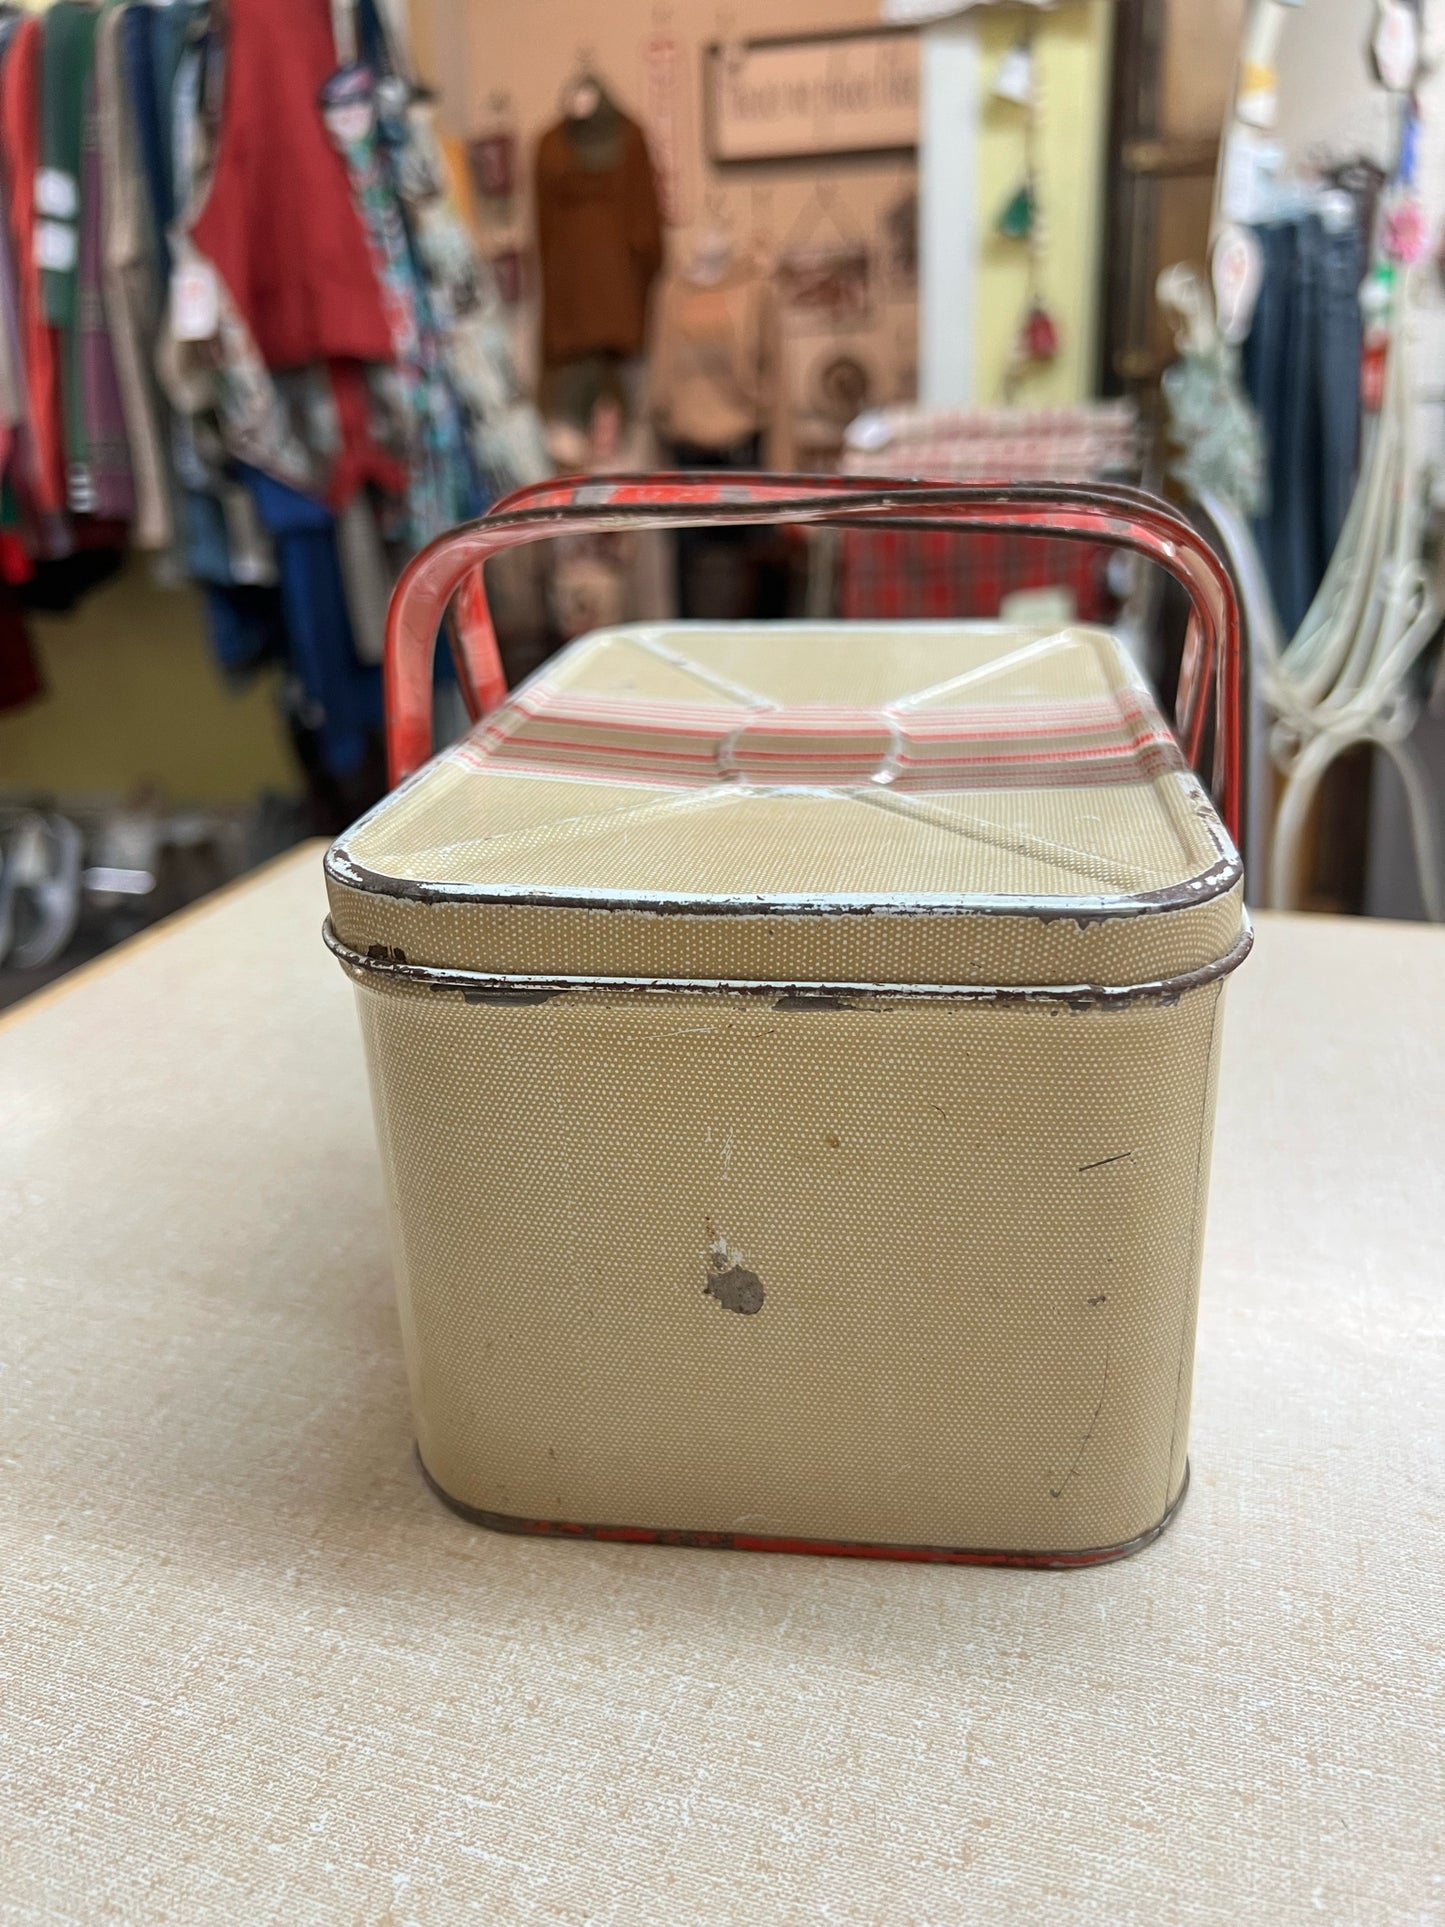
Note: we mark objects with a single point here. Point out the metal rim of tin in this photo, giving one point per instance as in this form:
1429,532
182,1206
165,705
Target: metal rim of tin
389,965
827,1548
1218,880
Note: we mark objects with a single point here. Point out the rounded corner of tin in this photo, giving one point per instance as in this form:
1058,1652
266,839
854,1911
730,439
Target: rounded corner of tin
339,866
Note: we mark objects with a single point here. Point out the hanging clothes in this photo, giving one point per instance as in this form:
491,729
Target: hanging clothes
438,483
246,627
1301,364
12,366
219,385
10,409
152,43
130,290
502,429
67,53
264,343
278,221
599,236
345,696
314,300
220,541
717,366
44,478
100,481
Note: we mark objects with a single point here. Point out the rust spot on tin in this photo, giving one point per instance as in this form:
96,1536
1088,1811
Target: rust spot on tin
832,1140
729,1280
386,953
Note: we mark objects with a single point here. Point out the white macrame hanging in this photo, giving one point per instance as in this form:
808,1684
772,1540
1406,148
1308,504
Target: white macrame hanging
1347,674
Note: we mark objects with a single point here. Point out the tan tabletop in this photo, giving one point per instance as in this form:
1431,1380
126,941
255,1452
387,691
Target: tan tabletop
251,1671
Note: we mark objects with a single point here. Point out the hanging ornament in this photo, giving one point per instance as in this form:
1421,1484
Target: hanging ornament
1016,217
1376,299
1039,336
1013,78
1404,236
1036,338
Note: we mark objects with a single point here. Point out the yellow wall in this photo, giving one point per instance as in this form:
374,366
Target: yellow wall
1071,50
132,697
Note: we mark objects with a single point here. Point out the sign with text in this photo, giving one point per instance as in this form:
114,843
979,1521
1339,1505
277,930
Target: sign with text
846,93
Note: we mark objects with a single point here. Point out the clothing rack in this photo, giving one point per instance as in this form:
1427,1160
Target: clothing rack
281,440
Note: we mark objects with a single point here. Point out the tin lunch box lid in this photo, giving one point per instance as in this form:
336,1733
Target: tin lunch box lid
815,806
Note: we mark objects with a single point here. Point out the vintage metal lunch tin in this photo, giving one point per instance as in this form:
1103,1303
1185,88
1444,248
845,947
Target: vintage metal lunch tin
793,1050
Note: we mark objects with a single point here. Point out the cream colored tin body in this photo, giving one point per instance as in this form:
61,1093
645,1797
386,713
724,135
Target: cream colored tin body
795,1116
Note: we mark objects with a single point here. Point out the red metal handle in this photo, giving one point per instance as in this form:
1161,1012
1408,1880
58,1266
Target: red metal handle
1124,517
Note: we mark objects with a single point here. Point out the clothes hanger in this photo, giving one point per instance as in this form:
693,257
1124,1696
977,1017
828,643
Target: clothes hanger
584,95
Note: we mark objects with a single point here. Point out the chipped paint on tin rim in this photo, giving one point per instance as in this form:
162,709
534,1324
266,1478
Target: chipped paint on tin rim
479,986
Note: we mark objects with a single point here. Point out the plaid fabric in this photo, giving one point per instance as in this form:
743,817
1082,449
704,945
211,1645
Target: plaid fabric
1076,444
895,576
898,575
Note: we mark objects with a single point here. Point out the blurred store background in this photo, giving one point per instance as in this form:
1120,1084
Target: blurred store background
289,287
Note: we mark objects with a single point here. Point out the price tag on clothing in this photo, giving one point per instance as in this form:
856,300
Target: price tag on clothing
56,247
195,301
56,194
1237,272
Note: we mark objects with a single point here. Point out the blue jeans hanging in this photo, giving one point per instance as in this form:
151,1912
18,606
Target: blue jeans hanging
1302,370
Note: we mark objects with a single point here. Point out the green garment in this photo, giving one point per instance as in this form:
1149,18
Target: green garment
67,62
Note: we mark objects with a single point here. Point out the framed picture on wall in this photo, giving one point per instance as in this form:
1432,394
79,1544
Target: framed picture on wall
812,96
826,287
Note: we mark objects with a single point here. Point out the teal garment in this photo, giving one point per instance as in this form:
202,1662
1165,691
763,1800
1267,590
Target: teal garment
439,486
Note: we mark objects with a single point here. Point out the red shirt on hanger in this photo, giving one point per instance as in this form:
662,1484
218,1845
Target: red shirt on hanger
278,221
20,143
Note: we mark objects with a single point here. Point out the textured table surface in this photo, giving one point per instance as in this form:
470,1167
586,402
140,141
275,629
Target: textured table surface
251,1671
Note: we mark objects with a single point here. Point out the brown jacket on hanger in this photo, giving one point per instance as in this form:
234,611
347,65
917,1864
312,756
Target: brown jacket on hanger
599,236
